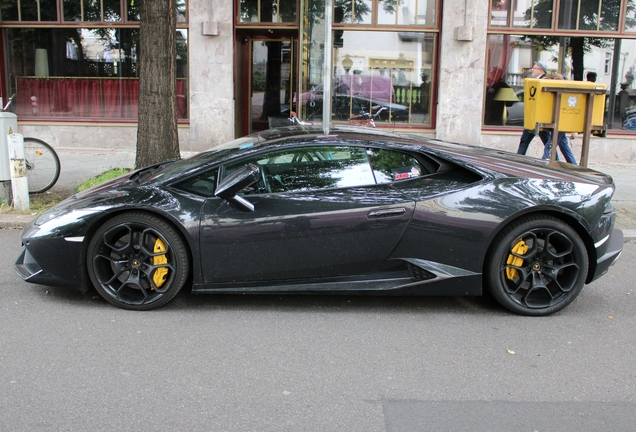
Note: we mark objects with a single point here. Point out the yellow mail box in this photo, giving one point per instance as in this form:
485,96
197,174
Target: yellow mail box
539,105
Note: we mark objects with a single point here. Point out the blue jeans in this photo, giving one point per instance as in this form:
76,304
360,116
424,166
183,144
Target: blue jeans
564,146
526,138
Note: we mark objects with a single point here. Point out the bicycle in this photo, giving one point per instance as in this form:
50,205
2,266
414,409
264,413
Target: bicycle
41,160
295,120
365,119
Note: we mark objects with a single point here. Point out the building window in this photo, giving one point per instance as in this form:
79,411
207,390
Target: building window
81,73
386,12
267,11
78,66
392,84
74,11
41,11
592,31
577,15
383,62
92,10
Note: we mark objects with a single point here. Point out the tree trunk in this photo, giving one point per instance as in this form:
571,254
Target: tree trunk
271,100
157,136
578,55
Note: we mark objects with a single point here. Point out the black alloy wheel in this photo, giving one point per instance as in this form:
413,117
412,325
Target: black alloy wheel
536,266
137,261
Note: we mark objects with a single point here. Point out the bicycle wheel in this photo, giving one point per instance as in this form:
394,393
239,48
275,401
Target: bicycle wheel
42,164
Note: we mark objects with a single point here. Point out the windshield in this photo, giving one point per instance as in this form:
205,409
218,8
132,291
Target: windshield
168,169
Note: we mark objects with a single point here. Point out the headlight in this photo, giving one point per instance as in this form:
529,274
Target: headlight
50,214
61,223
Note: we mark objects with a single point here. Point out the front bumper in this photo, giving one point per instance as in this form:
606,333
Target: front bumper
53,262
614,247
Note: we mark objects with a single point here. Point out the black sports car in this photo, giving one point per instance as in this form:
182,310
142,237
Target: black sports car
358,211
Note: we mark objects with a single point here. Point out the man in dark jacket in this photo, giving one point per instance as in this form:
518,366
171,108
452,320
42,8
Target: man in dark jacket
539,69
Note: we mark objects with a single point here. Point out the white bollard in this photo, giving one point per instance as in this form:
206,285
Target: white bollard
19,183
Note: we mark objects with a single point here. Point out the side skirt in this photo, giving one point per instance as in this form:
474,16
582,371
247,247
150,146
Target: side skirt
467,285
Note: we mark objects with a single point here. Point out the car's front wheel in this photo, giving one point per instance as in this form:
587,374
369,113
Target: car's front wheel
137,261
536,266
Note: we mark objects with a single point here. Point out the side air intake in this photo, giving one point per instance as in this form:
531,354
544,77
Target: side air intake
418,273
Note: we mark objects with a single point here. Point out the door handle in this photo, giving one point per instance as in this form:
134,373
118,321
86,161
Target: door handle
391,212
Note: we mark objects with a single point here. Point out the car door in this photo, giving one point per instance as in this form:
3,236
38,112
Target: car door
318,212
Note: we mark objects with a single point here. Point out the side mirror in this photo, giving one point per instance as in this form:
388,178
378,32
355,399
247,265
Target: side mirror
238,180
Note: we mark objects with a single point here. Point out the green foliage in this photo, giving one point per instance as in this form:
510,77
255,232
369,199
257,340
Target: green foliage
588,18
103,177
41,202
347,6
37,204
258,80
182,51
390,6
386,161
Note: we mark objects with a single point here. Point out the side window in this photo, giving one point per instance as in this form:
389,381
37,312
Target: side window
310,168
315,168
203,184
389,166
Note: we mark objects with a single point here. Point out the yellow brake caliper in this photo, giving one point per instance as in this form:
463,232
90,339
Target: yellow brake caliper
159,276
519,248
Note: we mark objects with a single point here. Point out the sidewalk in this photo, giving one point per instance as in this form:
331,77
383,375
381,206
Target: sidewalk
80,165
624,199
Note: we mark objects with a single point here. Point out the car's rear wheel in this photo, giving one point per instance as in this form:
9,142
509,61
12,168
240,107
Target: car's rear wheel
137,261
536,266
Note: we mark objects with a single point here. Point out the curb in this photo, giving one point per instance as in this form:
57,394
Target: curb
629,235
15,221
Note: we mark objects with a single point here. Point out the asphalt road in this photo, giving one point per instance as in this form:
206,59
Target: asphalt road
267,363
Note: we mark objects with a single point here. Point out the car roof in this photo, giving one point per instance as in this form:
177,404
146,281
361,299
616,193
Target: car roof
318,130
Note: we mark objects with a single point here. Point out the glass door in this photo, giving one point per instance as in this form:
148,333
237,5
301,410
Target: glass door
272,82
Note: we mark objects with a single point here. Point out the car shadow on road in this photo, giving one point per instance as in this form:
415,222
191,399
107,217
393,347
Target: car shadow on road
68,297
334,303
185,300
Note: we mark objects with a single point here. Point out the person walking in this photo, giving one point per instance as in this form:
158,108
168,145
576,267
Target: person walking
539,69
564,146
562,139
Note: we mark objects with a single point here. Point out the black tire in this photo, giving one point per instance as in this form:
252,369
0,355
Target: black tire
42,163
126,267
544,274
